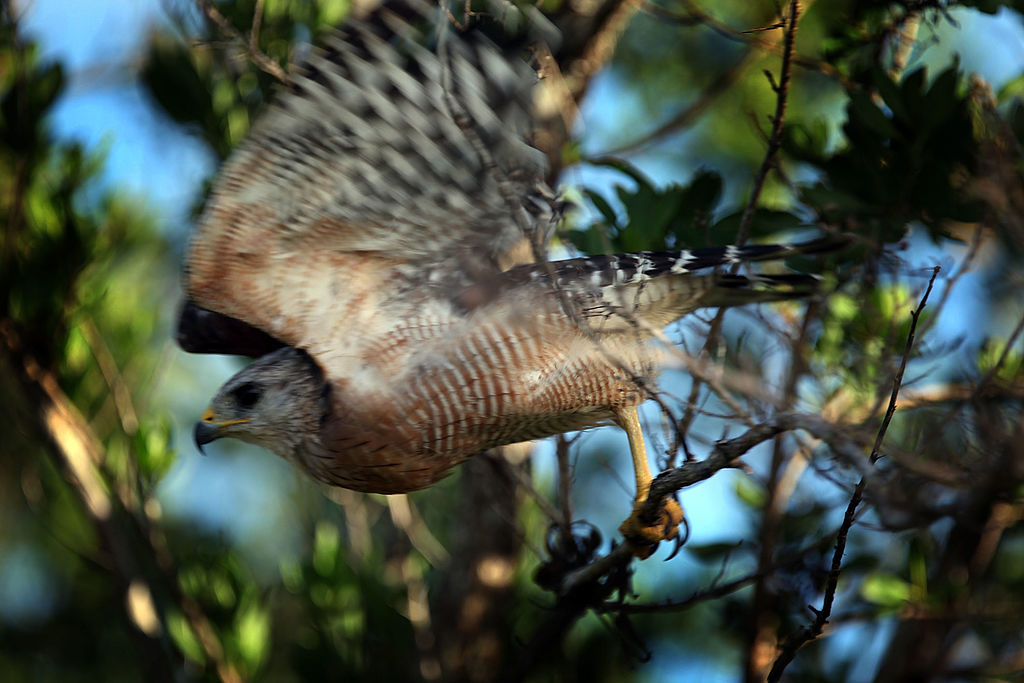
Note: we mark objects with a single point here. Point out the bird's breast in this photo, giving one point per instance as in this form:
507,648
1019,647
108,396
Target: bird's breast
493,386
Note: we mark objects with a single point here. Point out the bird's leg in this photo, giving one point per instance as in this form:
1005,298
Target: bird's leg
642,534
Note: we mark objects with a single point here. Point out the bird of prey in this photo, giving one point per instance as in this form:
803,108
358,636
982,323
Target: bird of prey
356,245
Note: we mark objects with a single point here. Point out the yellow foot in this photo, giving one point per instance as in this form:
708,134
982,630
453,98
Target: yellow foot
643,535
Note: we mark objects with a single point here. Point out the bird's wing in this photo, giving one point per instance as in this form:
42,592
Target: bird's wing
387,166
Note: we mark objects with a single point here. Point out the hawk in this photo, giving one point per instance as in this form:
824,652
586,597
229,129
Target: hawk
356,245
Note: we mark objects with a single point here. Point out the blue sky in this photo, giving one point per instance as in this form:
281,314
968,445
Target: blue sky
100,44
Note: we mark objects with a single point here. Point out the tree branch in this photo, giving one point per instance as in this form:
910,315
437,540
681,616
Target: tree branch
250,45
723,455
775,140
821,616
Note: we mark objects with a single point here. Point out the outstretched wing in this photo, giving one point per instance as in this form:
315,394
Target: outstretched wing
396,161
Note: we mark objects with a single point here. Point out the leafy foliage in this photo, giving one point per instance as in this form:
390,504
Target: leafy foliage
883,179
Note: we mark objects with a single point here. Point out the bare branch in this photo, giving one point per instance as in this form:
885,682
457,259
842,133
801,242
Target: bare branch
724,455
726,452
262,61
407,518
546,507
695,16
716,590
775,140
816,628
898,380
112,376
688,116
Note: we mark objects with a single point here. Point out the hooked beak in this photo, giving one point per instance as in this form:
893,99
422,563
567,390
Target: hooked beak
206,430
209,429
204,433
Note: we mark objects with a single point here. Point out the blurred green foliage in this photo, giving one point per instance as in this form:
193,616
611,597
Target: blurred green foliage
869,149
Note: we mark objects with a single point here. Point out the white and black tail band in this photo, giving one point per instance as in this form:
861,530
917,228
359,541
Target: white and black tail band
626,269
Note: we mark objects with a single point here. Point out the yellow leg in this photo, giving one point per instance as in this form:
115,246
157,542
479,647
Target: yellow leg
630,421
643,535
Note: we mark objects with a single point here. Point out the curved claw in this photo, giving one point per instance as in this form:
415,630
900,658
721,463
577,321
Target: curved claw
685,536
680,539
677,543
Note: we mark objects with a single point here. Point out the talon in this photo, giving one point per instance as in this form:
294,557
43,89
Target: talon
643,537
680,539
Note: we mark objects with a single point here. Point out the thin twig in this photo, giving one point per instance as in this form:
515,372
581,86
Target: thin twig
821,616
898,380
601,46
688,116
257,22
695,16
962,269
775,140
549,510
726,452
262,61
119,390
779,486
983,387
716,590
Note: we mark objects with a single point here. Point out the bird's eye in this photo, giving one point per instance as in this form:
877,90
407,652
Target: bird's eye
247,395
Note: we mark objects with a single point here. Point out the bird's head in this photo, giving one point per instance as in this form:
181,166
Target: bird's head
277,402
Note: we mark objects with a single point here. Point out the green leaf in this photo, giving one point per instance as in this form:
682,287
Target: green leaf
1012,89
1016,120
252,635
912,84
713,552
325,549
1012,366
892,96
184,637
626,168
46,85
603,207
886,590
864,111
175,84
275,9
765,222
942,98
702,195
749,492
152,446
806,141
591,241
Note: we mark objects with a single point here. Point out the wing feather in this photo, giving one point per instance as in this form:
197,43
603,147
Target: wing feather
388,155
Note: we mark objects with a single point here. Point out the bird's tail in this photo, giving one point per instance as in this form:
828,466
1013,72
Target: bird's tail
655,288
